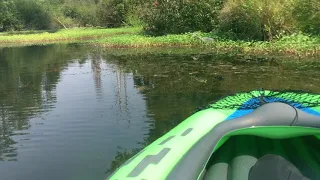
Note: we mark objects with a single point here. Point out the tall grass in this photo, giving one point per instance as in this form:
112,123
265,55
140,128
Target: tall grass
180,16
257,19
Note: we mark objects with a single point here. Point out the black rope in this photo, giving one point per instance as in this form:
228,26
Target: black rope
296,116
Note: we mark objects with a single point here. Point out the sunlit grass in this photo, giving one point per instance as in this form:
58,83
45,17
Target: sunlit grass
139,40
64,35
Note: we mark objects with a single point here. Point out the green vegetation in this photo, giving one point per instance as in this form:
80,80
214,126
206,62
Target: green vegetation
64,35
307,14
241,19
175,17
56,14
235,19
23,14
256,19
239,26
296,44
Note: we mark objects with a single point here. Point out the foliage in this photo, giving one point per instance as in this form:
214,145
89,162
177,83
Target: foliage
82,13
23,14
112,13
180,16
256,19
33,14
39,14
136,10
9,16
248,20
307,13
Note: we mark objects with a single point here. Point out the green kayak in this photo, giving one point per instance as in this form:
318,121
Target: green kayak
246,136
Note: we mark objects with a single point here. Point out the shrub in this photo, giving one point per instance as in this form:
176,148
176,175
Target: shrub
307,13
112,13
33,14
9,16
136,10
82,13
256,19
180,16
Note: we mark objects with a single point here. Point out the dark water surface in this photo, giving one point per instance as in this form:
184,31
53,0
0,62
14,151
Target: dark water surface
71,112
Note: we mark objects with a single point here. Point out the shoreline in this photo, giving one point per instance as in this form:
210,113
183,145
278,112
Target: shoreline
61,36
131,38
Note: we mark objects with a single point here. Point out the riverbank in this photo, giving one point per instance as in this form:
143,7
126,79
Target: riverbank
60,36
298,45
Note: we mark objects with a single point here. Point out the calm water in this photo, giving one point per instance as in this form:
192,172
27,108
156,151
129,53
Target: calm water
71,112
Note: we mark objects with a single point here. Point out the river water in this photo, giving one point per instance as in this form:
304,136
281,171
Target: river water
73,112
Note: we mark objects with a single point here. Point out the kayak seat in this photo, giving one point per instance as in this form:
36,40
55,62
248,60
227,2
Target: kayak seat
275,167
244,154
238,168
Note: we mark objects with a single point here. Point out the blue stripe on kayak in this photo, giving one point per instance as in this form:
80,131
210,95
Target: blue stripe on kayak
254,102
239,113
294,104
311,111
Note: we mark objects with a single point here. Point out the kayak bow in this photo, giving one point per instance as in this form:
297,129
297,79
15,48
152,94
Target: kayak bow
227,138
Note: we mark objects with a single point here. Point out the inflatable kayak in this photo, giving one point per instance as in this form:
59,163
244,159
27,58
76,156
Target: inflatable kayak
247,136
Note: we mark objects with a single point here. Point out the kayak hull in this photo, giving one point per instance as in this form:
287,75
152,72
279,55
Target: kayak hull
186,152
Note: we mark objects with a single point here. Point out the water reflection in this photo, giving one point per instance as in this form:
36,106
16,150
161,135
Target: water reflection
96,69
175,86
27,90
74,113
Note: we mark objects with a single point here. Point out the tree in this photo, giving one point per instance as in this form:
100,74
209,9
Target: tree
9,16
181,16
112,13
307,13
33,14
